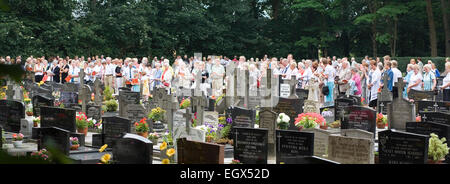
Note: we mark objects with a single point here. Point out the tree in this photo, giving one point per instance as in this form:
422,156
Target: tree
444,8
432,28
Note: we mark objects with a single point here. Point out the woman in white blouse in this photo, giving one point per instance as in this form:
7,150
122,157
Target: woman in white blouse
415,80
446,83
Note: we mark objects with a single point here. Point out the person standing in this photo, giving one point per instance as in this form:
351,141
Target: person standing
74,71
109,74
374,84
119,76
217,73
329,74
429,78
446,83
38,71
415,80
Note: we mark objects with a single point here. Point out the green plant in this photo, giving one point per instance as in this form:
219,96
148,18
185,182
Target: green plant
218,99
257,117
437,149
185,103
142,126
225,131
168,138
104,108
111,105
157,114
81,120
108,94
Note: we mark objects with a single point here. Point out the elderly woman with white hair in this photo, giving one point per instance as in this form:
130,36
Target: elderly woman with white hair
429,78
183,75
157,73
415,80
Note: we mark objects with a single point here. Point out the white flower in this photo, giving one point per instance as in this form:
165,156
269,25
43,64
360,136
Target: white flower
256,126
282,117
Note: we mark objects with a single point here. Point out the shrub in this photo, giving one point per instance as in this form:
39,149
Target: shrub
111,106
107,93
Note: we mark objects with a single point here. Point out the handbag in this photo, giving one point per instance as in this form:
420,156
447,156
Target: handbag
325,90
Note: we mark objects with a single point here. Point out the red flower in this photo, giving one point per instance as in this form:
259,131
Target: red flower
136,124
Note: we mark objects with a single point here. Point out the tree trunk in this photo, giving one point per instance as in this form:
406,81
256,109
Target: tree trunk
444,5
394,41
433,41
374,40
275,8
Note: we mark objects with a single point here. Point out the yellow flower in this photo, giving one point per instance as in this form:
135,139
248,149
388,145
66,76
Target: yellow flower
105,158
163,146
165,161
103,148
170,152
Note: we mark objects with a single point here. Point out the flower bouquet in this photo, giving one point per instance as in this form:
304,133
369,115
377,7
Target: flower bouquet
36,121
157,114
42,154
437,149
381,121
142,127
17,140
283,121
153,137
185,103
309,121
82,123
74,143
328,115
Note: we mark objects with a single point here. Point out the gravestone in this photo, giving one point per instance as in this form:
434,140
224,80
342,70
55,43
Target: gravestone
39,101
426,128
357,117
52,137
421,95
194,152
211,117
179,119
198,104
291,107
98,92
68,98
267,120
133,149
58,117
348,150
94,112
11,113
127,98
250,145
397,147
340,104
357,133
400,110
193,135
433,106
1,137
321,142
436,117
292,145
135,112
314,160
241,117
113,128
26,127
302,93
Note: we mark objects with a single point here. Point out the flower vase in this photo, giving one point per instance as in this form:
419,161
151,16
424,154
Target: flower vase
83,131
381,125
35,124
74,147
17,144
209,139
143,134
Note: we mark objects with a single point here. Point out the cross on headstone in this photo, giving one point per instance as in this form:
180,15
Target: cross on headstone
424,118
400,85
10,93
197,104
435,106
188,117
98,96
293,83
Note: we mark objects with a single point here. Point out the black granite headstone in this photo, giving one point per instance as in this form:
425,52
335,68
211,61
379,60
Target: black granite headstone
67,98
357,117
133,149
113,128
56,138
250,145
58,117
292,145
339,105
11,112
397,147
436,117
241,117
291,107
432,106
39,101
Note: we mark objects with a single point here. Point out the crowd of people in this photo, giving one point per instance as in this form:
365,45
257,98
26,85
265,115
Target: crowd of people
334,75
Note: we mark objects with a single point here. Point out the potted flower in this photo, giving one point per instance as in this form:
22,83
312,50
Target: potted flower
437,149
157,114
17,140
26,101
418,119
98,126
308,121
283,121
74,143
153,137
36,121
82,123
111,105
29,112
381,121
41,154
91,124
328,115
185,103
142,127
211,132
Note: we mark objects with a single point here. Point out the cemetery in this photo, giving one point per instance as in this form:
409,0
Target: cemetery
88,125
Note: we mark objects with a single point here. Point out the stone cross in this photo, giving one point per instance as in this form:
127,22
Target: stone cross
386,95
81,74
400,85
98,96
312,87
267,91
293,83
424,118
10,92
188,117
85,97
170,106
197,104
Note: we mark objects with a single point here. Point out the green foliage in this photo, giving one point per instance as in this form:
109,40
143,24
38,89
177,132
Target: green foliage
104,108
111,106
437,149
225,132
108,94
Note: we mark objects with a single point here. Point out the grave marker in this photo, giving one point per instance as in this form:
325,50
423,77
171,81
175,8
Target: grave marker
194,152
292,145
113,128
250,145
348,150
133,149
397,147
58,117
